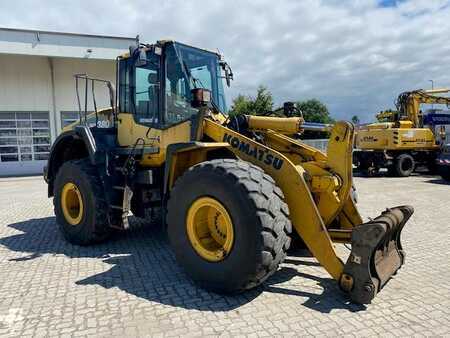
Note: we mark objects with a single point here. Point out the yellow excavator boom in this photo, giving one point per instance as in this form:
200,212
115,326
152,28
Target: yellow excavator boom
408,103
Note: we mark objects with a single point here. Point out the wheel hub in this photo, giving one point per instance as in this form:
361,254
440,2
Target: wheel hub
72,203
210,229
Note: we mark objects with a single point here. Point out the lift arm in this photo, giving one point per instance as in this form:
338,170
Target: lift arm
317,194
304,214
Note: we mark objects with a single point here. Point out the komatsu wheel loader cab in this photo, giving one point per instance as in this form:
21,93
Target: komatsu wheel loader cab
232,190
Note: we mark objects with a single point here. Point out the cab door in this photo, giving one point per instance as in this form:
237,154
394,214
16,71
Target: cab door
139,98
141,103
154,105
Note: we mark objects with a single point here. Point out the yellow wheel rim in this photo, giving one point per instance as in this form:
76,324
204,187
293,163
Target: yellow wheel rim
210,229
72,204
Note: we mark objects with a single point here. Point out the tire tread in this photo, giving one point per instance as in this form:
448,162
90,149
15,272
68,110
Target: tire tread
99,231
271,211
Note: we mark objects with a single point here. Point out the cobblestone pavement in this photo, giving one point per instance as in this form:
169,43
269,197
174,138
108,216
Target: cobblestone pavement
131,285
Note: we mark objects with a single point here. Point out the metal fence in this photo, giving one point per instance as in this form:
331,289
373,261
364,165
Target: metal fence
320,144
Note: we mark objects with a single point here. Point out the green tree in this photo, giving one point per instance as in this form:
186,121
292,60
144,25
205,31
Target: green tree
355,119
258,105
263,101
241,105
314,111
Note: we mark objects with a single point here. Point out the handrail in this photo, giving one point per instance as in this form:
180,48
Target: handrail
87,79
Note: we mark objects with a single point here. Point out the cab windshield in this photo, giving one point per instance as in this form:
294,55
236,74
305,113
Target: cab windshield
188,68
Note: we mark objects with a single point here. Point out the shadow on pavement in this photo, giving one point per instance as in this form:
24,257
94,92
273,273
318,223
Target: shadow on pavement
438,180
330,299
143,265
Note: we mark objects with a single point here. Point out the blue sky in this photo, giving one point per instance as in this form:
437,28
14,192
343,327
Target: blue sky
388,3
355,55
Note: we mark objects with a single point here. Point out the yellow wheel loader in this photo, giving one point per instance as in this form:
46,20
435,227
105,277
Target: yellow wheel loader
232,190
403,138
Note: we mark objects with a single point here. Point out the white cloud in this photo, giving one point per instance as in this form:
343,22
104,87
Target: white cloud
356,56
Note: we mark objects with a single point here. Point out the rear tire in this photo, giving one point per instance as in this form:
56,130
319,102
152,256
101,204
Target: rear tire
92,226
259,217
404,165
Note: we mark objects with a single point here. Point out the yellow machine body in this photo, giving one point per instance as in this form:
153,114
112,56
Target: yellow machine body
316,186
403,129
379,137
156,140
400,141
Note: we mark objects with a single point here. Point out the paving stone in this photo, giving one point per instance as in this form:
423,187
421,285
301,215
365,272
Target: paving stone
132,286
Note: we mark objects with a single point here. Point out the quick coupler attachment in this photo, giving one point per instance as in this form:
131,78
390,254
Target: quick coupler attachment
376,254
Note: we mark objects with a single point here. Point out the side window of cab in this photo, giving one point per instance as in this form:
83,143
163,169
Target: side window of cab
140,89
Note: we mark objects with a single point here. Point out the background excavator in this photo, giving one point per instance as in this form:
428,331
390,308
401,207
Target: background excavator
231,190
404,138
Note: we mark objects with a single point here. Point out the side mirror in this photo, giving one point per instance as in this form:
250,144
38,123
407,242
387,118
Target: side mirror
139,55
228,72
228,77
141,59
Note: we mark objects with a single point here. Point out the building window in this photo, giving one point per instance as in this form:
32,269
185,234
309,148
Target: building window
24,136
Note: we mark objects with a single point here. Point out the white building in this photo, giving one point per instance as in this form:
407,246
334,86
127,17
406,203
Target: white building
37,89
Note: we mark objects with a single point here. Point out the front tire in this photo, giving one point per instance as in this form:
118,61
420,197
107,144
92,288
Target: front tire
228,225
79,203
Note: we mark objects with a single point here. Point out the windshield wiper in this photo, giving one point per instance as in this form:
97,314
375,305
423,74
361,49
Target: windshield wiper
190,76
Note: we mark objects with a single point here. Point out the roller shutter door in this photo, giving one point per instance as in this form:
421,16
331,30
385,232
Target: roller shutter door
24,142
